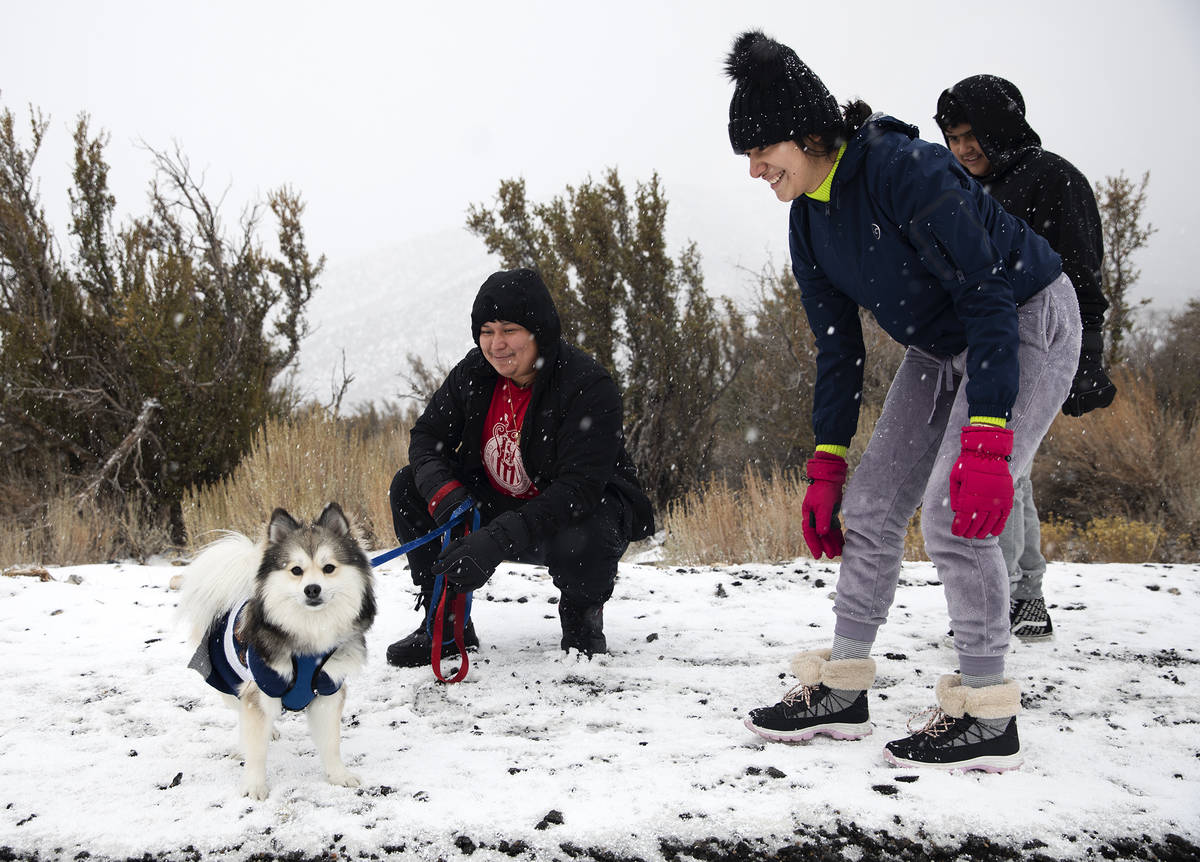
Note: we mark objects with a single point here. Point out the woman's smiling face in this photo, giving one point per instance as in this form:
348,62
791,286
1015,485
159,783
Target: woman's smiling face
789,170
511,349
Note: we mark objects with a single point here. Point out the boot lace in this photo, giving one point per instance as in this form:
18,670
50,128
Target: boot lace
937,722
800,692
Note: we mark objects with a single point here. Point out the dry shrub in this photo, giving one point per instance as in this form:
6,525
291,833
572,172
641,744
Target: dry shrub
65,530
300,464
720,524
758,521
1103,540
1138,460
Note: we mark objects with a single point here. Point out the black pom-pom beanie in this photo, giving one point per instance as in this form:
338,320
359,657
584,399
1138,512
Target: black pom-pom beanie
776,97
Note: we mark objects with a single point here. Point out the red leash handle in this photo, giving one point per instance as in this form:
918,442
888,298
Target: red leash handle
459,608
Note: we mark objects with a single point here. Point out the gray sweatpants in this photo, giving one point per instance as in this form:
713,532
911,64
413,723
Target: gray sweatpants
1021,543
907,464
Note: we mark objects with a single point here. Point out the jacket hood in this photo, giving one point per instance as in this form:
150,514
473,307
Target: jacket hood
996,111
518,296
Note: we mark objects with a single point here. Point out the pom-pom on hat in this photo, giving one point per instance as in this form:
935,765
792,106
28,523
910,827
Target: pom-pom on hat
776,97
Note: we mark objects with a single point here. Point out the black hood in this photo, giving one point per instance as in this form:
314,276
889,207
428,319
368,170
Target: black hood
518,296
996,111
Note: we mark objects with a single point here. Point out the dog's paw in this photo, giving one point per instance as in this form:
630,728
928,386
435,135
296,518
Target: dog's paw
255,789
345,778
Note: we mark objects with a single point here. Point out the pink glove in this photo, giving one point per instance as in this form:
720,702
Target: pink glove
822,532
981,488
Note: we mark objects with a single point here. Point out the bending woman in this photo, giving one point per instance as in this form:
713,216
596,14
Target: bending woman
884,222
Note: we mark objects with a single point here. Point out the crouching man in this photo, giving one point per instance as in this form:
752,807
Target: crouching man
529,428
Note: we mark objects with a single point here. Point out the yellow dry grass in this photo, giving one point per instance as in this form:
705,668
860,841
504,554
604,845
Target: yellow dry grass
300,465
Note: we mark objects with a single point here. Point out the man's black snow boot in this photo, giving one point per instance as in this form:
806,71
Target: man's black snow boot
582,627
416,650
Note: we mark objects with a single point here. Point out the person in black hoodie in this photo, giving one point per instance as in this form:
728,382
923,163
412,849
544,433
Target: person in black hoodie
983,121
529,428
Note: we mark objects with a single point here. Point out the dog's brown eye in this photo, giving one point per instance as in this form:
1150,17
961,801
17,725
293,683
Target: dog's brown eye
297,571
328,567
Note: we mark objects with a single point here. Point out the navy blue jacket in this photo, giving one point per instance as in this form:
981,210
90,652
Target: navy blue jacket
909,236
225,661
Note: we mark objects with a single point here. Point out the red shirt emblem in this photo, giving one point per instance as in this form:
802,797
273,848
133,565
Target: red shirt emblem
502,440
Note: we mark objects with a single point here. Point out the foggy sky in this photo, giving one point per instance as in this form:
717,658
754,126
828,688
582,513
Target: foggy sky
391,118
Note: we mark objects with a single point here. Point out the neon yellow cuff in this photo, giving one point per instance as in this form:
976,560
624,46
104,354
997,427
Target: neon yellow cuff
998,421
840,451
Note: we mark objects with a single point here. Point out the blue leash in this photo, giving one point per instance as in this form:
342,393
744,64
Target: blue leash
456,517
439,584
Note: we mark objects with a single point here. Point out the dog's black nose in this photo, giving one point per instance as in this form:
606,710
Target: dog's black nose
312,591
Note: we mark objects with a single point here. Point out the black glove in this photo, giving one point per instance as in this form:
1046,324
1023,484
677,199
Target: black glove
467,563
1091,388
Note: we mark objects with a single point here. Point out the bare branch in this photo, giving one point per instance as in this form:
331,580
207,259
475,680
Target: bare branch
128,446
338,389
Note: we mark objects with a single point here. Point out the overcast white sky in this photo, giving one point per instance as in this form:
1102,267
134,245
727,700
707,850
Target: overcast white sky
391,118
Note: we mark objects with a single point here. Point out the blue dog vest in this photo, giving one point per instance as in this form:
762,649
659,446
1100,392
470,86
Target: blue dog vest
226,662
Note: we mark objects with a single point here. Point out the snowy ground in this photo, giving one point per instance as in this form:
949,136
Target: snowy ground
110,746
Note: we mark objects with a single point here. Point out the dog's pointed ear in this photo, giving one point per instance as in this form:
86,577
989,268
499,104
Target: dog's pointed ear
332,518
281,526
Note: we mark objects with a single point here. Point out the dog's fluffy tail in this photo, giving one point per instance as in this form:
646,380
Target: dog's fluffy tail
217,579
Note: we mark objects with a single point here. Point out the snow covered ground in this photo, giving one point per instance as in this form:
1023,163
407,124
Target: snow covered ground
110,746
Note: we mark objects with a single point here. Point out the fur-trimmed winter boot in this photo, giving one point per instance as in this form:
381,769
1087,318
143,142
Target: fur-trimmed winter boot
831,698
971,728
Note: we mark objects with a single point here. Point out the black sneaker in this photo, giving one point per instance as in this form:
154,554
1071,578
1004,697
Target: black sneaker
1029,620
416,649
960,744
808,710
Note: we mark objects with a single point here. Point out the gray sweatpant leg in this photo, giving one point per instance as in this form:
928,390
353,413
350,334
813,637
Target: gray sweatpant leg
1021,543
907,463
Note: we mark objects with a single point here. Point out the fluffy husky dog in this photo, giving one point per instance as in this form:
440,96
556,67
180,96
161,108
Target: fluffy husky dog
279,625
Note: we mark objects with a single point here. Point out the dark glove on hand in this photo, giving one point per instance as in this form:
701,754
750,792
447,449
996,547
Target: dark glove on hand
468,562
1091,389
818,513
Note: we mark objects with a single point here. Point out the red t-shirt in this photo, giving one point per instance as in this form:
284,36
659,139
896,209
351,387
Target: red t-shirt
502,440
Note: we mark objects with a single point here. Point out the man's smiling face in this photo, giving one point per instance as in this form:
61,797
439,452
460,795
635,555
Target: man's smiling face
962,142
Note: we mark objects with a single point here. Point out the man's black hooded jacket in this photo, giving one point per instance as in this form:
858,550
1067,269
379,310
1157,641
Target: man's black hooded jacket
1041,187
572,440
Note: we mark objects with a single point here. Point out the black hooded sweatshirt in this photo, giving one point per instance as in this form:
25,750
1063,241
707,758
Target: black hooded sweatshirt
572,440
1042,188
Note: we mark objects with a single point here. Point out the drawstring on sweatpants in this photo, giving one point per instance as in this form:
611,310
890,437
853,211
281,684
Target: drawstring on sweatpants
948,366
